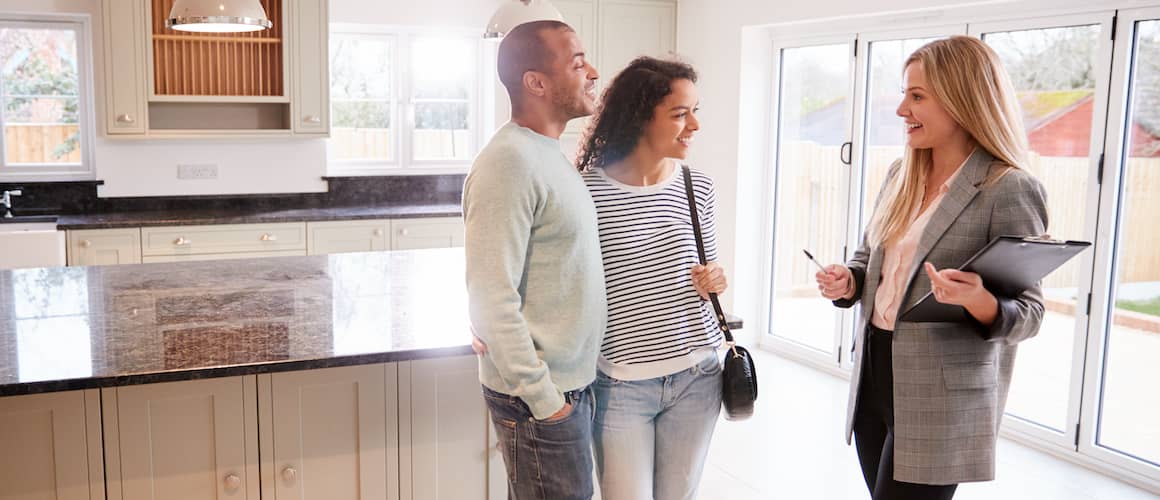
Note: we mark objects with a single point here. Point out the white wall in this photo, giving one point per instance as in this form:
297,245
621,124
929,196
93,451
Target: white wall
148,167
729,44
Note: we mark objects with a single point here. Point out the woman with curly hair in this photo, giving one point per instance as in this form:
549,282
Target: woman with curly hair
658,386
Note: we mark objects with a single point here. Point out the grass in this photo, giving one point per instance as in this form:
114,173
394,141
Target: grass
1150,306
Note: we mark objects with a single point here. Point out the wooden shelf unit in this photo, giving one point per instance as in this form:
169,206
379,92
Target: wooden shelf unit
205,65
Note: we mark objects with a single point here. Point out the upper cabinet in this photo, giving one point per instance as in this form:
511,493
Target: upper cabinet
614,32
632,28
162,82
124,66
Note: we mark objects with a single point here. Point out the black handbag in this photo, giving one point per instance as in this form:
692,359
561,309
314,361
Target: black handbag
739,377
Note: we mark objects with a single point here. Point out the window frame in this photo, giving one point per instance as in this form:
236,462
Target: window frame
86,115
403,161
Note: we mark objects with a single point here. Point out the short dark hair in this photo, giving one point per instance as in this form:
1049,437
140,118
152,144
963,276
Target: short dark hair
522,50
626,107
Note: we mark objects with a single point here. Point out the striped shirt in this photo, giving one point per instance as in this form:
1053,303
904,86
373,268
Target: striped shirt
657,324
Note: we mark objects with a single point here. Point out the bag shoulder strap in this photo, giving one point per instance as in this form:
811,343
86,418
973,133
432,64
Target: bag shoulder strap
722,323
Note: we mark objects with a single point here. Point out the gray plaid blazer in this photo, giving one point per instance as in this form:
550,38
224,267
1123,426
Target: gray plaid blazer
951,379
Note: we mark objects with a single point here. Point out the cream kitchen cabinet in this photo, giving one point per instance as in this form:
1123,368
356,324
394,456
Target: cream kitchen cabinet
58,436
348,236
614,33
222,241
330,433
414,234
100,247
194,439
382,234
124,57
444,430
309,67
632,28
164,83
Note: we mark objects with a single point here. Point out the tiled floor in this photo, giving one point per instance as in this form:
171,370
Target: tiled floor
793,448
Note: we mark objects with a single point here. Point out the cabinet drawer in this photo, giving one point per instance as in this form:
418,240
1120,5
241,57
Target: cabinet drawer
348,236
150,259
230,238
102,247
414,234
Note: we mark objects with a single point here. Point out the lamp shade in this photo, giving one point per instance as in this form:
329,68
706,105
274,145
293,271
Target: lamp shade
217,16
516,12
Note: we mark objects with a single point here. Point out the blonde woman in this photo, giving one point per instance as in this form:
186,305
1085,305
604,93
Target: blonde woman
926,399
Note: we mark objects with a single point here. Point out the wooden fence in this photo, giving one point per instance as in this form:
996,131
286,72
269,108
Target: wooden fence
36,143
375,143
811,198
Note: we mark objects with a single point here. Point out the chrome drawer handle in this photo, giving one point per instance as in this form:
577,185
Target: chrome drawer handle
268,237
125,118
181,241
312,119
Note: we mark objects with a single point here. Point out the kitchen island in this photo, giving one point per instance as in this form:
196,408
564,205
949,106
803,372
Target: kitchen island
330,376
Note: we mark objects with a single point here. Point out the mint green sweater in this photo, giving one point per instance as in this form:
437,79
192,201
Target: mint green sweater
535,279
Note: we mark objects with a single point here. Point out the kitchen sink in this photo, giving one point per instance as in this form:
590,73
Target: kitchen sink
30,242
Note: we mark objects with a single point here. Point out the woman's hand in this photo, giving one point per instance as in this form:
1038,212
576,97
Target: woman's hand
709,278
835,282
961,288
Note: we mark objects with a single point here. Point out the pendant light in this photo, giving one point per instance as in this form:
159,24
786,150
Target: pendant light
217,16
516,12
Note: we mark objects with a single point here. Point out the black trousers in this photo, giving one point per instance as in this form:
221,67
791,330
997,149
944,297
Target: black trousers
874,426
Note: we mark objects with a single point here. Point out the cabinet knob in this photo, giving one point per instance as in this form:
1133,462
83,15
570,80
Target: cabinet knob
125,118
289,474
378,232
404,232
182,241
86,243
269,237
233,482
312,119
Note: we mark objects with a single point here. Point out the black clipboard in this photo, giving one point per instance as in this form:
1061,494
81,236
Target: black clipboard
1008,265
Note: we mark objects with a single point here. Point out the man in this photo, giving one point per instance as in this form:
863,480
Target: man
534,275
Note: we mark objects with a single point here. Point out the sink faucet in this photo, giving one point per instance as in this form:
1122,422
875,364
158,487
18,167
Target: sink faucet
6,201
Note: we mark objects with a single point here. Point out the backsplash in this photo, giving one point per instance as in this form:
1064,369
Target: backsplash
71,198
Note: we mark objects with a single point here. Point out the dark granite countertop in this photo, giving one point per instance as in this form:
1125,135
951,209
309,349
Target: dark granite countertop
70,328
227,216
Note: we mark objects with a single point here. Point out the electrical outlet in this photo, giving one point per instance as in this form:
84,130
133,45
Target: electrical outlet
199,171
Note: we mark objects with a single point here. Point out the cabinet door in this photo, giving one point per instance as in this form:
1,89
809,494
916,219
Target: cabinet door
445,446
310,56
101,247
631,28
191,440
124,54
581,16
335,433
47,445
414,234
348,236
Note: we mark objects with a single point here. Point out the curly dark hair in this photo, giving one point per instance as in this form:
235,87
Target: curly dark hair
626,106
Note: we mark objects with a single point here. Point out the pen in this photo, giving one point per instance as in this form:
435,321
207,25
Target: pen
815,261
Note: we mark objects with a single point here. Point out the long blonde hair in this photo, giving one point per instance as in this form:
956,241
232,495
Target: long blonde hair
969,81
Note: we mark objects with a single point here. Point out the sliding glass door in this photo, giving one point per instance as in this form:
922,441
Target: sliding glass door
1122,402
1088,87
1053,66
812,185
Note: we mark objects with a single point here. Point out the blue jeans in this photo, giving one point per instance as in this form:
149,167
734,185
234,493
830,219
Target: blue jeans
545,460
652,436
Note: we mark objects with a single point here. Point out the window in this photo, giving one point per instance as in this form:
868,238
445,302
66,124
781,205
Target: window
403,100
43,100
